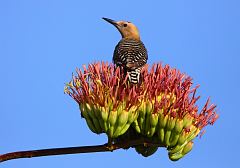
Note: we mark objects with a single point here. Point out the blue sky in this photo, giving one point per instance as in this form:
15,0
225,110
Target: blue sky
43,41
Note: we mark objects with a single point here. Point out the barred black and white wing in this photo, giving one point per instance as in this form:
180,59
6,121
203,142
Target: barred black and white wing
132,56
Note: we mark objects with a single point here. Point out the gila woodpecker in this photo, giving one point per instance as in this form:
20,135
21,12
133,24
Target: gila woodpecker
130,52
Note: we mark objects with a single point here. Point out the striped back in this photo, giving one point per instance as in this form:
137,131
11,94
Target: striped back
132,55
130,52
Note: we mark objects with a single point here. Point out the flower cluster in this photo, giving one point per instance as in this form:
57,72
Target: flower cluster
162,108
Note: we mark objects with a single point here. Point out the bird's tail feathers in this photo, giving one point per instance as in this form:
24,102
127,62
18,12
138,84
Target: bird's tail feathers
134,75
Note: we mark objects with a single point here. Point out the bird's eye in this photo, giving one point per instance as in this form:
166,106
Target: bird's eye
125,25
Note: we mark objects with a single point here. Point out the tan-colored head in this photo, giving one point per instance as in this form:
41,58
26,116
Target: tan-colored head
127,29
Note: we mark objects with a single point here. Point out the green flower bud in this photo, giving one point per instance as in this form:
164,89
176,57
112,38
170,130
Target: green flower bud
187,120
104,113
187,148
178,126
170,123
175,156
149,107
112,118
162,121
153,119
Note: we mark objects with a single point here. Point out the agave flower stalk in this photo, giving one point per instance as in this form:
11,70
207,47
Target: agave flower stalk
162,108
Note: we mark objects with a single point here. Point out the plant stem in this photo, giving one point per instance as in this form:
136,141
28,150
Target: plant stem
73,150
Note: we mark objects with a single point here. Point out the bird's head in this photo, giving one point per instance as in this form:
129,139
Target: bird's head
127,29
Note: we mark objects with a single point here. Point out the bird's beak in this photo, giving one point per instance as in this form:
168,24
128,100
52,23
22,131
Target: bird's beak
113,22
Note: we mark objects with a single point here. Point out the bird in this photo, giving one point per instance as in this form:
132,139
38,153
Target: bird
130,53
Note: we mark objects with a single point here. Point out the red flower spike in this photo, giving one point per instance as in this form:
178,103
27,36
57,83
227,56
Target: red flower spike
163,106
